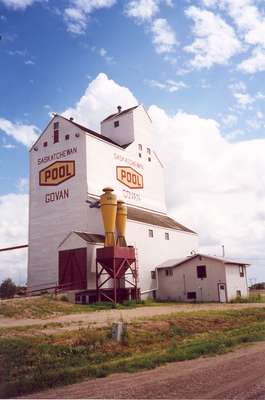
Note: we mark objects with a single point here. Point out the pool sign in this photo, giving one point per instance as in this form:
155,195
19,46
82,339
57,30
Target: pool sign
56,173
130,177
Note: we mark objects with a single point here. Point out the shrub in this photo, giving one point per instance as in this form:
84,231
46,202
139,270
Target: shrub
7,289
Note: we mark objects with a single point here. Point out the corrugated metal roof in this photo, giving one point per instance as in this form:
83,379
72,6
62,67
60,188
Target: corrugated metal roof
117,114
91,237
151,218
178,261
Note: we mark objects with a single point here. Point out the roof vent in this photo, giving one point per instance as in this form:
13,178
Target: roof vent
119,109
71,119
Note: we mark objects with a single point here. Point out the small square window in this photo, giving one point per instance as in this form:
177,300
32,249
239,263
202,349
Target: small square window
150,233
149,158
148,150
116,124
169,272
166,235
140,155
140,147
67,137
191,296
56,137
153,274
56,126
45,144
201,271
238,293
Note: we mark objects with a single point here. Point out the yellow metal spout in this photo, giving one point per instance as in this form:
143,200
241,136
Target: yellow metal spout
121,220
108,203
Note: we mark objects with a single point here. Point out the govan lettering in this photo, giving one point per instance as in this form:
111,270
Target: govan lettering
55,196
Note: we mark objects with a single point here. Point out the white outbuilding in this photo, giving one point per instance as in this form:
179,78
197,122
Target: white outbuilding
201,278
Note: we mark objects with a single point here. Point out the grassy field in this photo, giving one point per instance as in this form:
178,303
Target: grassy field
32,361
49,306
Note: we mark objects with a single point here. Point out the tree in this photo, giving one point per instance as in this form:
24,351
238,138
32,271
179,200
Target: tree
7,289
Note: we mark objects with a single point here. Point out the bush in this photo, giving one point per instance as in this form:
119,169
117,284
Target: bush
7,289
252,298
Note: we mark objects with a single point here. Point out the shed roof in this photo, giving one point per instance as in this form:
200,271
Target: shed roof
179,261
152,218
91,237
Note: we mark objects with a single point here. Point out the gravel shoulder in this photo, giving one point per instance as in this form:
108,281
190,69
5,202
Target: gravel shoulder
105,317
236,375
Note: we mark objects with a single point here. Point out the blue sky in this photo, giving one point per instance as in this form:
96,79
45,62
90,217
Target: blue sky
201,63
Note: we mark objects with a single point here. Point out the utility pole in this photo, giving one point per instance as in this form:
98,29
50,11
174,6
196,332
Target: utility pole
223,250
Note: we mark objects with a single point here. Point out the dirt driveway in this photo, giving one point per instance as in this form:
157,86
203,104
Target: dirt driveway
104,317
238,375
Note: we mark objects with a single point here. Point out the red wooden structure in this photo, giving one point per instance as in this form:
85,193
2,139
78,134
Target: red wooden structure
117,264
72,269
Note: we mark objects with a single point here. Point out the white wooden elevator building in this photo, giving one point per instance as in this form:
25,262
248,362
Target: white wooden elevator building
69,166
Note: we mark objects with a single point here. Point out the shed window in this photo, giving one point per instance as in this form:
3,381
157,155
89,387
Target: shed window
45,144
241,271
238,293
166,235
67,137
153,274
149,159
56,137
140,155
150,233
116,124
148,150
191,296
140,147
169,272
56,126
201,271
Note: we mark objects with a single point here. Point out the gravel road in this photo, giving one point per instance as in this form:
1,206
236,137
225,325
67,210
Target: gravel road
104,317
239,375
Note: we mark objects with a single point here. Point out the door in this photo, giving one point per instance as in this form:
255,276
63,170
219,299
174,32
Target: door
222,292
73,269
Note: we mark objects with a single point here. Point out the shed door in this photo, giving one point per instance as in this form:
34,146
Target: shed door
73,268
222,292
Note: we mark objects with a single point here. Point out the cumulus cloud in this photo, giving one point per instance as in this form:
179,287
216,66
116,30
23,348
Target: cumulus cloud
101,98
25,134
142,10
169,85
13,231
77,14
164,37
255,63
215,41
19,4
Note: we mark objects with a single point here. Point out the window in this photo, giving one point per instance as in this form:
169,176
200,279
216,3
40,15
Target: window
153,274
67,137
191,296
56,126
201,271
56,137
169,272
45,144
241,271
116,124
149,158
148,151
238,293
166,235
140,155
140,147
150,233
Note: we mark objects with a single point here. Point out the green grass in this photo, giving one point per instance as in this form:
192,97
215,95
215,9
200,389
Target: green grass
49,306
251,298
31,362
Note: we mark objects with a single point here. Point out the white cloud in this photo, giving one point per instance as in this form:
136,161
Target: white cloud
164,37
243,98
23,185
142,10
101,98
104,54
215,41
19,4
29,62
25,134
13,231
230,120
169,85
77,14
255,63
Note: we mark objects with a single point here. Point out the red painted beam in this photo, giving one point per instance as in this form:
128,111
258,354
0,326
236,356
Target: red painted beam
15,247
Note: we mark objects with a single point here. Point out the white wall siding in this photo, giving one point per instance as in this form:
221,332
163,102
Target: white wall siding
235,282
